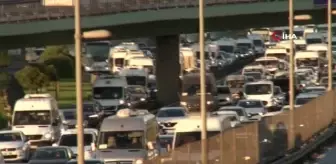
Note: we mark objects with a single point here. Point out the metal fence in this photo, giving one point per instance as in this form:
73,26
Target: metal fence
15,11
261,142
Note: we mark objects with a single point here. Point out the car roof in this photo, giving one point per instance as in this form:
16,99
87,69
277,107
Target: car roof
171,108
231,107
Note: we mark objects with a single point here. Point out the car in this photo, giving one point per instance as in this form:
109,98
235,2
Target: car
52,155
304,98
87,161
168,117
243,115
231,115
69,139
68,118
14,146
93,113
253,107
309,89
224,95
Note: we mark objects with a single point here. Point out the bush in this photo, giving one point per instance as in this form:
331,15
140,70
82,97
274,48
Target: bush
32,78
59,58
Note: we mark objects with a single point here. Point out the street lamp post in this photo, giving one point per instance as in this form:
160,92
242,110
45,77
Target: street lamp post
330,57
202,84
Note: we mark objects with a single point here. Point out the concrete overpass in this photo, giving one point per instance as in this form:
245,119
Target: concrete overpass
32,24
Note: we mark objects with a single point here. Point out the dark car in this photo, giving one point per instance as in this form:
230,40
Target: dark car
52,155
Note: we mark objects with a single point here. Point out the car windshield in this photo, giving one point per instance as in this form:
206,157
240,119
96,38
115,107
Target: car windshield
313,41
255,75
258,43
184,138
71,140
171,113
41,117
136,80
258,89
304,62
69,115
9,137
302,101
136,90
98,51
250,104
238,111
121,140
278,55
223,90
195,89
108,92
235,83
229,49
50,154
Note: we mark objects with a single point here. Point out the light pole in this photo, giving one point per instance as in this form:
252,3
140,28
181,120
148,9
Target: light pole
202,84
330,57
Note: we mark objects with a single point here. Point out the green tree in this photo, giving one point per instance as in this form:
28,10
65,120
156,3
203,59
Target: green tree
59,58
32,78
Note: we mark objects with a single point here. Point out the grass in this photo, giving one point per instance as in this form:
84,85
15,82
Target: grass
67,92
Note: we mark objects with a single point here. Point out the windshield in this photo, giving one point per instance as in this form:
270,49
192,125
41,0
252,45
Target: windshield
41,117
268,63
69,115
258,43
278,55
50,153
235,83
108,92
250,104
136,90
258,89
119,62
136,80
9,137
71,140
223,90
171,113
253,70
246,45
313,41
299,33
304,62
206,55
99,51
256,76
122,140
183,138
229,49
302,101
195,89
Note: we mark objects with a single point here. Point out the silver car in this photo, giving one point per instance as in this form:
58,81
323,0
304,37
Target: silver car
14,146
253,107
168,117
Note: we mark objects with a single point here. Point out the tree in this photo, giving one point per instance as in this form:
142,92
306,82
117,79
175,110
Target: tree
32,78
54,51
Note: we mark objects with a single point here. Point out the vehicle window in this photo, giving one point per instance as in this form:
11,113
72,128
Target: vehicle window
238,111
52,153
313,41
302,62
7,137
256,76
229,49
233,118
258,89
41,117
69,115
195,89
250,104
223,90
235,83
136,80
184,138
122,139
107,92
171,113
258,43
71,140
308,90
302,101
97,51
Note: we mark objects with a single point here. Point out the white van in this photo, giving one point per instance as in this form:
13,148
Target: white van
189,60
278,52
117,58
188,131
127,137
261,90
37,116
272,64
321,48
109,91
313,38
309,59
258,43
142,63
135,76
300,44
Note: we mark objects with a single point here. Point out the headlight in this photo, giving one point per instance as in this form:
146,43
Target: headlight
209,102
142,99
183,103
87,68
121,101
47,135
228,98
139,161
107,68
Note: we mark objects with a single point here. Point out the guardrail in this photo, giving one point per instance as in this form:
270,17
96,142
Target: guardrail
17,11
266,141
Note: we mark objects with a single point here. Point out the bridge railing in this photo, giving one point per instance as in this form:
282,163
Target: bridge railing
263,141
14,11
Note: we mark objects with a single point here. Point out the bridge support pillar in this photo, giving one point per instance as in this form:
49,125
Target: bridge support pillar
168,69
